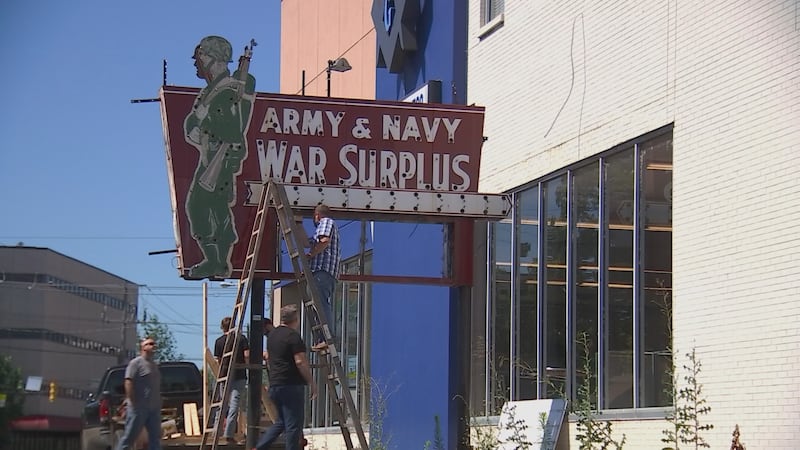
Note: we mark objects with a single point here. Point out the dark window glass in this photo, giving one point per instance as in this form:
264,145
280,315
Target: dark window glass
586,201
656,355
618,317
528,251
555,252
500,370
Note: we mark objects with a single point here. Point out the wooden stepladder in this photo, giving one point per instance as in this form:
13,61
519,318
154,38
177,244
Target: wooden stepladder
330,361
218,408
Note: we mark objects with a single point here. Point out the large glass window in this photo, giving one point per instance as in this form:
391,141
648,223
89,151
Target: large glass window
598,308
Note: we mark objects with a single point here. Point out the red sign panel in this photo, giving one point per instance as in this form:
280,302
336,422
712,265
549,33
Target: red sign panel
299,140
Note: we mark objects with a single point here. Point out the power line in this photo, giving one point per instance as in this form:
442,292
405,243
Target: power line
89,238
343,53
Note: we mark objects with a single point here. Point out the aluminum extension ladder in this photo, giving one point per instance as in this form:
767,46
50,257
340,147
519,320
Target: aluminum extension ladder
218,408
329,359
274,195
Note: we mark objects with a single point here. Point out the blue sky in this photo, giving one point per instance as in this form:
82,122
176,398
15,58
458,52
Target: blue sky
82,170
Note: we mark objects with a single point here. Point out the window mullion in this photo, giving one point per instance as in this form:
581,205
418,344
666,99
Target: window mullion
638,304
570,324
514,292
541,385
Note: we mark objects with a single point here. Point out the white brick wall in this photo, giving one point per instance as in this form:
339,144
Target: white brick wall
727,73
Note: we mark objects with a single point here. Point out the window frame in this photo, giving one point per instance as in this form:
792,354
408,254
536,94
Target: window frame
638,319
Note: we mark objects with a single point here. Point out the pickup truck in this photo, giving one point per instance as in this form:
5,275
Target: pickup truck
181,383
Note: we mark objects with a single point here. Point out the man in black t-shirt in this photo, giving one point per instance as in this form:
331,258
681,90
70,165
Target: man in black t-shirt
289,372
238,378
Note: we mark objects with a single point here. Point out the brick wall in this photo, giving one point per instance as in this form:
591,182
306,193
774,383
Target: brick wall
563,80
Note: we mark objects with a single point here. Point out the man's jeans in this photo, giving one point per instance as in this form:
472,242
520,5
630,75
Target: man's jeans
290,401
232,422
135,420
326,283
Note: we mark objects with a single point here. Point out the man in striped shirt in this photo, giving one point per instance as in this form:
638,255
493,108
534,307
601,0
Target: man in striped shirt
324,256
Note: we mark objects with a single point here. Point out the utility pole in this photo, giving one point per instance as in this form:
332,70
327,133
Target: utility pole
257,300
126,304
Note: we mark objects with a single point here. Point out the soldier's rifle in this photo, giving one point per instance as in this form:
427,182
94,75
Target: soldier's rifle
208,180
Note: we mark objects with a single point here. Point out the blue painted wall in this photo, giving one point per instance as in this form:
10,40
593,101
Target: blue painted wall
413,353
441,55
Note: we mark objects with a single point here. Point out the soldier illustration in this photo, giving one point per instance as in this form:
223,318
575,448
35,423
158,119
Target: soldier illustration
216,127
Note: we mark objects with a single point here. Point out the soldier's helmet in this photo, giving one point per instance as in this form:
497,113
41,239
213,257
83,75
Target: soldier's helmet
217,47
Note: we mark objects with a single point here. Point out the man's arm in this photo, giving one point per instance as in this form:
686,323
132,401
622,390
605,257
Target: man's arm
320,246
129,391
322,237
301,361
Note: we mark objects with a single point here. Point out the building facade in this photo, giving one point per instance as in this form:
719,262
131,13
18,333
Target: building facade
61,320
399,338
651,150
314,32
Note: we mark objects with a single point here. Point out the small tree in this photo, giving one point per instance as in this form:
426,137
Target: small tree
689,406
166,347
378,411
11,388
591,430
438,441
515,430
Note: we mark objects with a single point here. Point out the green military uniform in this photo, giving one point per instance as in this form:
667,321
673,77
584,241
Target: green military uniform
217,124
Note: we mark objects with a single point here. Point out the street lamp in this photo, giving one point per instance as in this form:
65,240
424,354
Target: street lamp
336,65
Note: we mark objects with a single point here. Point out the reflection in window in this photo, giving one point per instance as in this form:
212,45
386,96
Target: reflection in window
555,319
657,278
618,317
500,369
527,255
586,196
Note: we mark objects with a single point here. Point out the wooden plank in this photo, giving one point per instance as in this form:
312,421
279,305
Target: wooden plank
195,420
188,423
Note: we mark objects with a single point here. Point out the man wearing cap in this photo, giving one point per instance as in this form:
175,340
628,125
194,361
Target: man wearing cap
216,127
143,397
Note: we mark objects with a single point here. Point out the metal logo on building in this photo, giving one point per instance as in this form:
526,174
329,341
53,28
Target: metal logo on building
396,31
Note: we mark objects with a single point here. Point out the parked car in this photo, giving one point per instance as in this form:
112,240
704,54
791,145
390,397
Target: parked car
181,383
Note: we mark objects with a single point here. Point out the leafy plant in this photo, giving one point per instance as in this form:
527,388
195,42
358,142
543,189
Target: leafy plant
438,442
485,438
166,346
11,389
735,443
546,442
378,411
593,433
516,427
689,407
